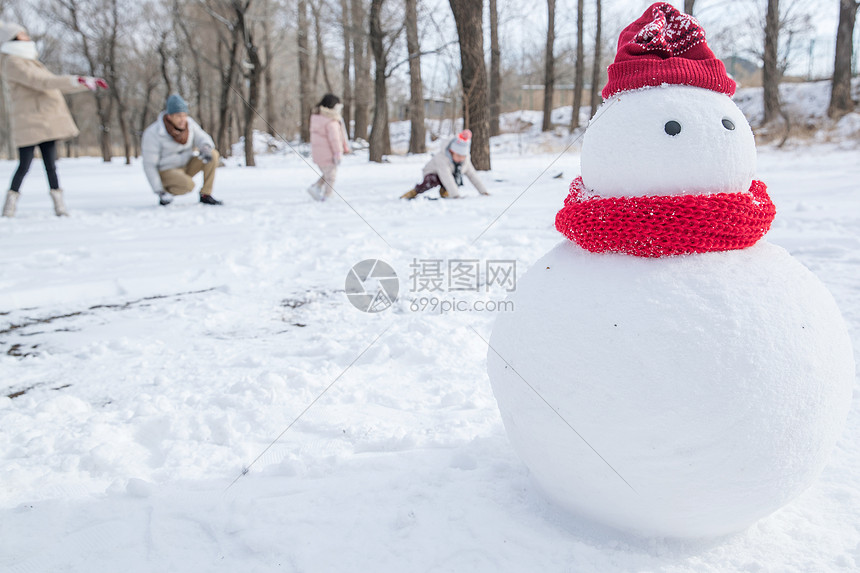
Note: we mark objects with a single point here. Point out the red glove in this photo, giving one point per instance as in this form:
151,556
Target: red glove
92,83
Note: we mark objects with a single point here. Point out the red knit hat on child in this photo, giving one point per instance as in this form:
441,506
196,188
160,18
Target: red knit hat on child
665,46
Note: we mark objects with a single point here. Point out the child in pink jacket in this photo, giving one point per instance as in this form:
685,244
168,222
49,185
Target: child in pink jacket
328,144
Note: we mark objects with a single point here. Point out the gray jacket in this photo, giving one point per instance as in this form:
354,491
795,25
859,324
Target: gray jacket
161,152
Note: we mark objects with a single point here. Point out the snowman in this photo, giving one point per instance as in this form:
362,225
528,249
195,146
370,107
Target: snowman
666,371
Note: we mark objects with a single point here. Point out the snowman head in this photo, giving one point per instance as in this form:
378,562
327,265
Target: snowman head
668,125
668,161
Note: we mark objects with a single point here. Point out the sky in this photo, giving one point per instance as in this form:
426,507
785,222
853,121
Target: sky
526,23
523,27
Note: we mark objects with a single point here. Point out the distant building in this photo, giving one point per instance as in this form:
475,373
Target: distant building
531,97
434,108
743,71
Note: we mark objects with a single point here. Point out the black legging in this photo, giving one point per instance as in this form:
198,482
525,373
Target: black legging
25,157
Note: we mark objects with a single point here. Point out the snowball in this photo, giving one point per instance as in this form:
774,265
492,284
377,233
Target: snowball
627,150
715,385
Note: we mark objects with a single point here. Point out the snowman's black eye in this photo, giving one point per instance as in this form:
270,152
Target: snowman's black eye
727,123
672,128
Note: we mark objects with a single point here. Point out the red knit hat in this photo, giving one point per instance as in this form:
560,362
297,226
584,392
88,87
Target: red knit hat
665,46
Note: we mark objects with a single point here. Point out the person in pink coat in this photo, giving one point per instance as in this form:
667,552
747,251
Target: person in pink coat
328,144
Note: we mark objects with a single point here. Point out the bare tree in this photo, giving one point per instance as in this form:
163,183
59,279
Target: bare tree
252,72
268,79
495,70
197,73
688,6
840,94
378,143
95,32
416,90
117,81
265,52
468,15
346,27
320,62
596,70
150,82
770,71
361,68
164,54
579,66
549,67
304,72
229,43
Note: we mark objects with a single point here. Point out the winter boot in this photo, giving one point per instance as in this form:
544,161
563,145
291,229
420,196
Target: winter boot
11,203
59,205
315,192
209,200
411,194
164,198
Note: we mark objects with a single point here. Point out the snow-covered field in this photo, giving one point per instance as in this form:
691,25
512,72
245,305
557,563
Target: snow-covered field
149,356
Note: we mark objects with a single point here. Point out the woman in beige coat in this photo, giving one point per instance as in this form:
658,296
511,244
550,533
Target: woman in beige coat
39,112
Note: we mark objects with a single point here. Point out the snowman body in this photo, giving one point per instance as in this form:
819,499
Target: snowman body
683,395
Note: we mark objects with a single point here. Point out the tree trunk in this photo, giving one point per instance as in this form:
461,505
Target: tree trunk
180,75
228,71
840,94
179,20
144,115
305,96
417,132
320,55
770,71
253,99
114,79
468,15
165,59
362,70
495,70
252,74
597,69
579,66
688,6
212,109
123,125
549,67
347,63
268,80
104,110
380,108
70,143
386,133
269,90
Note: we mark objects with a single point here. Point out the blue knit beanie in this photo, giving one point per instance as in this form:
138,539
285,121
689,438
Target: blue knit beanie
175,104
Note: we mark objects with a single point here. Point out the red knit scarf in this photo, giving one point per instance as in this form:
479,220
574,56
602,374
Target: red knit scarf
659,226
180,136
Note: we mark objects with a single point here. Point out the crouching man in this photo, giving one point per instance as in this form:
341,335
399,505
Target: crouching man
169,157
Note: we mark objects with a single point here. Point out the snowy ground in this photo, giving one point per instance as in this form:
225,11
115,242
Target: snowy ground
148,355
